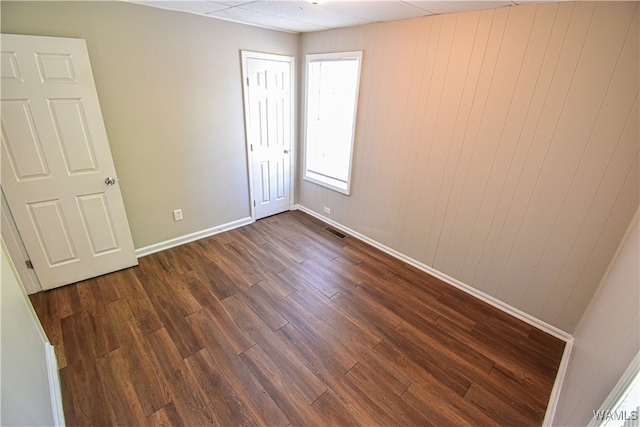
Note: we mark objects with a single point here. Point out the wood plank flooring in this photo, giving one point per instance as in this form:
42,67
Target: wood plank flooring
282,323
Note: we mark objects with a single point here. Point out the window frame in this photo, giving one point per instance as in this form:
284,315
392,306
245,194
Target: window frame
311,176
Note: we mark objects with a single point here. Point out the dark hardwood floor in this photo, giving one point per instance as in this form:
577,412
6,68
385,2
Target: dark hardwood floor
282,323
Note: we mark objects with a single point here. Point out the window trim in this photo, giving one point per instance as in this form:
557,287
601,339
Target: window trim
314,176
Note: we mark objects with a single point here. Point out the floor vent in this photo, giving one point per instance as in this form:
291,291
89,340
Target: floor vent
335,232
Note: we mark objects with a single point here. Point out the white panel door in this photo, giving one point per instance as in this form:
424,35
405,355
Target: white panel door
57,170
268,117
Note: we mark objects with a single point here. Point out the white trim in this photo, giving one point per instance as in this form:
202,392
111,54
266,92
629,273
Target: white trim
55,391
54,385
16,250
327,181
617,395
519,314
557,385
531,320
181,240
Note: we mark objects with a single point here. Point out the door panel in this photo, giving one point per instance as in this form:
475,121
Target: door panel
52,230
56,67
21,141
265,182
55,158
70,124
268,117
96,217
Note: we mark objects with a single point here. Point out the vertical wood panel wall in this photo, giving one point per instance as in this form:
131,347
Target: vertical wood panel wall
499,147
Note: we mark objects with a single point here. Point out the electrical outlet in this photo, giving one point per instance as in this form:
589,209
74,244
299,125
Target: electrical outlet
327,210
177,215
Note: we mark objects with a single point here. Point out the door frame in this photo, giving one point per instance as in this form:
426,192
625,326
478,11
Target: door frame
247,54
16,249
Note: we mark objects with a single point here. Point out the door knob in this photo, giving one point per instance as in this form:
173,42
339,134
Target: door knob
110,181
286,151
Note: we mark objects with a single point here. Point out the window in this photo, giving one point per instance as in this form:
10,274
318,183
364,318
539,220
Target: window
331,101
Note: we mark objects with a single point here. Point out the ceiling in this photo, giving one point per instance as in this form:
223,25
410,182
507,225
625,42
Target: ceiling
300,16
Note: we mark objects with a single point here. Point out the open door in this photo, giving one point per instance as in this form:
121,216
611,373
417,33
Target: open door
268,94
57,171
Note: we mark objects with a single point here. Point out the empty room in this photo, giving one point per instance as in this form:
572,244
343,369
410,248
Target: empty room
320,213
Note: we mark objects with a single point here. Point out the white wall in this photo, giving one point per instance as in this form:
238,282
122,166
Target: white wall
499,147
170,88
607,338
25,398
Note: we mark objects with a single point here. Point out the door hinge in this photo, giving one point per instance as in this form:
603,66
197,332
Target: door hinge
247,81
251,145
254,203
29,264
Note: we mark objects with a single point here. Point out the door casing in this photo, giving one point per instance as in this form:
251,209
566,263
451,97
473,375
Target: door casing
245,55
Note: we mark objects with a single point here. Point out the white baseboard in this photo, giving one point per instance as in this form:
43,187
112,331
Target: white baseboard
557,385
54,385
181,240
533,321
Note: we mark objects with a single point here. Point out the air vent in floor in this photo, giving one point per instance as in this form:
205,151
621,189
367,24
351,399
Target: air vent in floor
335,232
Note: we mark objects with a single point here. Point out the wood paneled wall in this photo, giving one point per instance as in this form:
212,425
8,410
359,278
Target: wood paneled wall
499,147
